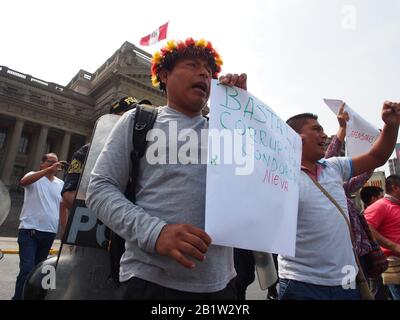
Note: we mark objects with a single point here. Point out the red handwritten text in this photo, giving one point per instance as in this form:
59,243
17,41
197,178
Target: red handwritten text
276,180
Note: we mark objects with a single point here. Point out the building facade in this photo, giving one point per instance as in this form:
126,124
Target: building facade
37,117
377,180
394,166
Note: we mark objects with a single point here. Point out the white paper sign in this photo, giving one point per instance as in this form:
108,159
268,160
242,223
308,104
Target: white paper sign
360,134
251,205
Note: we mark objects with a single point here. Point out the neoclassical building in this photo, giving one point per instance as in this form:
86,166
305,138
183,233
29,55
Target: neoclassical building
37,116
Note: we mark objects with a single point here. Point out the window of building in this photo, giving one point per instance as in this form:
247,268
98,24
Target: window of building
3,136
23,145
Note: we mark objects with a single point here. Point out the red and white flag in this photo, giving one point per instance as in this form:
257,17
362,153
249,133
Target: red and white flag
156,36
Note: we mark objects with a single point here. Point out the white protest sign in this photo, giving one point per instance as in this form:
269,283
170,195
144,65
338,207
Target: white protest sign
251,205
360,134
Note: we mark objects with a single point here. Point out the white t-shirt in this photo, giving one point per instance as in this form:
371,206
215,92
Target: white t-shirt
41,208
324,254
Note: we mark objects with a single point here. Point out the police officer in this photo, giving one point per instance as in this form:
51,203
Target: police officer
75,169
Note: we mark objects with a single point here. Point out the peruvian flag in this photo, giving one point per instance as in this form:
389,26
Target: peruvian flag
156,36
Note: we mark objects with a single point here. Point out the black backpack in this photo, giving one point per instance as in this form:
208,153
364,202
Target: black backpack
145,116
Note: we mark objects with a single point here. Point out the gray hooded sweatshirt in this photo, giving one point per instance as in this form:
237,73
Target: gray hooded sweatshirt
166,194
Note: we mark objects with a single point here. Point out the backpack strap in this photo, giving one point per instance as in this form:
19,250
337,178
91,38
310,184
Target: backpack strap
361,280
145,117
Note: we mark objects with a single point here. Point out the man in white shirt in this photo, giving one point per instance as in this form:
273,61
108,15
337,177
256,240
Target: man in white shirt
324,260
39,217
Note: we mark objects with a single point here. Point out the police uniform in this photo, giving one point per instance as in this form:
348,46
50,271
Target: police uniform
78,159
75,169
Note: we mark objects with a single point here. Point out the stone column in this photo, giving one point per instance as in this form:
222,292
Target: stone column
40,147
65,146
12,152
64,151
32,152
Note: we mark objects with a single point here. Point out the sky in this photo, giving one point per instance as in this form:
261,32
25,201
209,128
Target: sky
295,52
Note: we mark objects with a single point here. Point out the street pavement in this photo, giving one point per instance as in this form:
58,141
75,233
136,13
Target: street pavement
9,265
9,269
8,273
